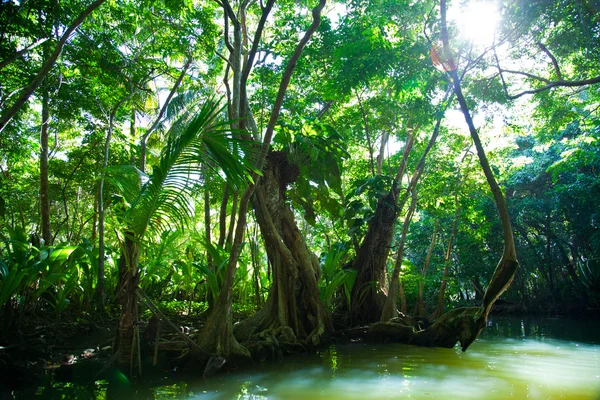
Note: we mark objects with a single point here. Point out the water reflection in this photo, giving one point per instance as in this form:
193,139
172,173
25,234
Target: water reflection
515,358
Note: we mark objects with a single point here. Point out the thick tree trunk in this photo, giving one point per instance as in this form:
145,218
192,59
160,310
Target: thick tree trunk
217,335
293,312
370,288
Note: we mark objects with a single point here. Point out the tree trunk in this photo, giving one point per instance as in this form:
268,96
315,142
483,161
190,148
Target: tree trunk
420,308
370,288
447,260
390,309
127,297
462,324
44,200
253,241
217,335
385,136
100,282
207,237
293,311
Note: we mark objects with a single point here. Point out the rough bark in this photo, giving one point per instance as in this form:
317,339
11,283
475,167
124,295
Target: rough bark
459,325
370,288
217,335
293,311
127,297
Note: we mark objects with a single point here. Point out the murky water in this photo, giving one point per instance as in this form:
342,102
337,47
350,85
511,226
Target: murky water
513,359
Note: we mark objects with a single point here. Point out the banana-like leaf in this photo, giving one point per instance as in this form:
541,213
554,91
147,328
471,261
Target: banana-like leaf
345,278
211,279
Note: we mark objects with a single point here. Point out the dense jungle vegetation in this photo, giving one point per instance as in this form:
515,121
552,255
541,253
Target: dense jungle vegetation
213,181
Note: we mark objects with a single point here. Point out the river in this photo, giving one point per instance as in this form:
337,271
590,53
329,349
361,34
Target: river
514,358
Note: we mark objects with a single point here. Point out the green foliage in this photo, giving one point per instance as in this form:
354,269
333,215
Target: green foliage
334,276
27,273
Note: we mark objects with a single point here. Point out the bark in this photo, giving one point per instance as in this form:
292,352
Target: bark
48,64
231,230
293,311
253,241
463,324
420,308
217,335
223,215
390,309
127,297
208,238
370,290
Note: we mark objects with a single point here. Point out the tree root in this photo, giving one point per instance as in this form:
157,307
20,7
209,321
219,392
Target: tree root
460,325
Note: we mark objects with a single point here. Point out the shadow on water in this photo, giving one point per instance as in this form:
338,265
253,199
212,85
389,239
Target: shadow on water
515,358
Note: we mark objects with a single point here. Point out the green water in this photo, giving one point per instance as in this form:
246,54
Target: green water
514,358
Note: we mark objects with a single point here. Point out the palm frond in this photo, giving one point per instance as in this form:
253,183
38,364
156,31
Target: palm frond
166,198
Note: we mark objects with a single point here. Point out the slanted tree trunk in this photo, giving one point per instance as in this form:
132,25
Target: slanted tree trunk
447,260
370,288
462,324
293,311
420,308
507,266
47,66
390,309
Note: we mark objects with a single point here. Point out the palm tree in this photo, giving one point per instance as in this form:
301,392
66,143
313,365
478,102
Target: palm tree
156,202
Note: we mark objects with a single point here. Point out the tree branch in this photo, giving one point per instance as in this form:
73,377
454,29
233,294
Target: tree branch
35,83
552,58
16,55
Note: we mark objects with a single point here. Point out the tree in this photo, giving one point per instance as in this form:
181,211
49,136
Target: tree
164,200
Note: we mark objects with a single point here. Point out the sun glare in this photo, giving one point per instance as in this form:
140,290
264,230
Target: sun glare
477,21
